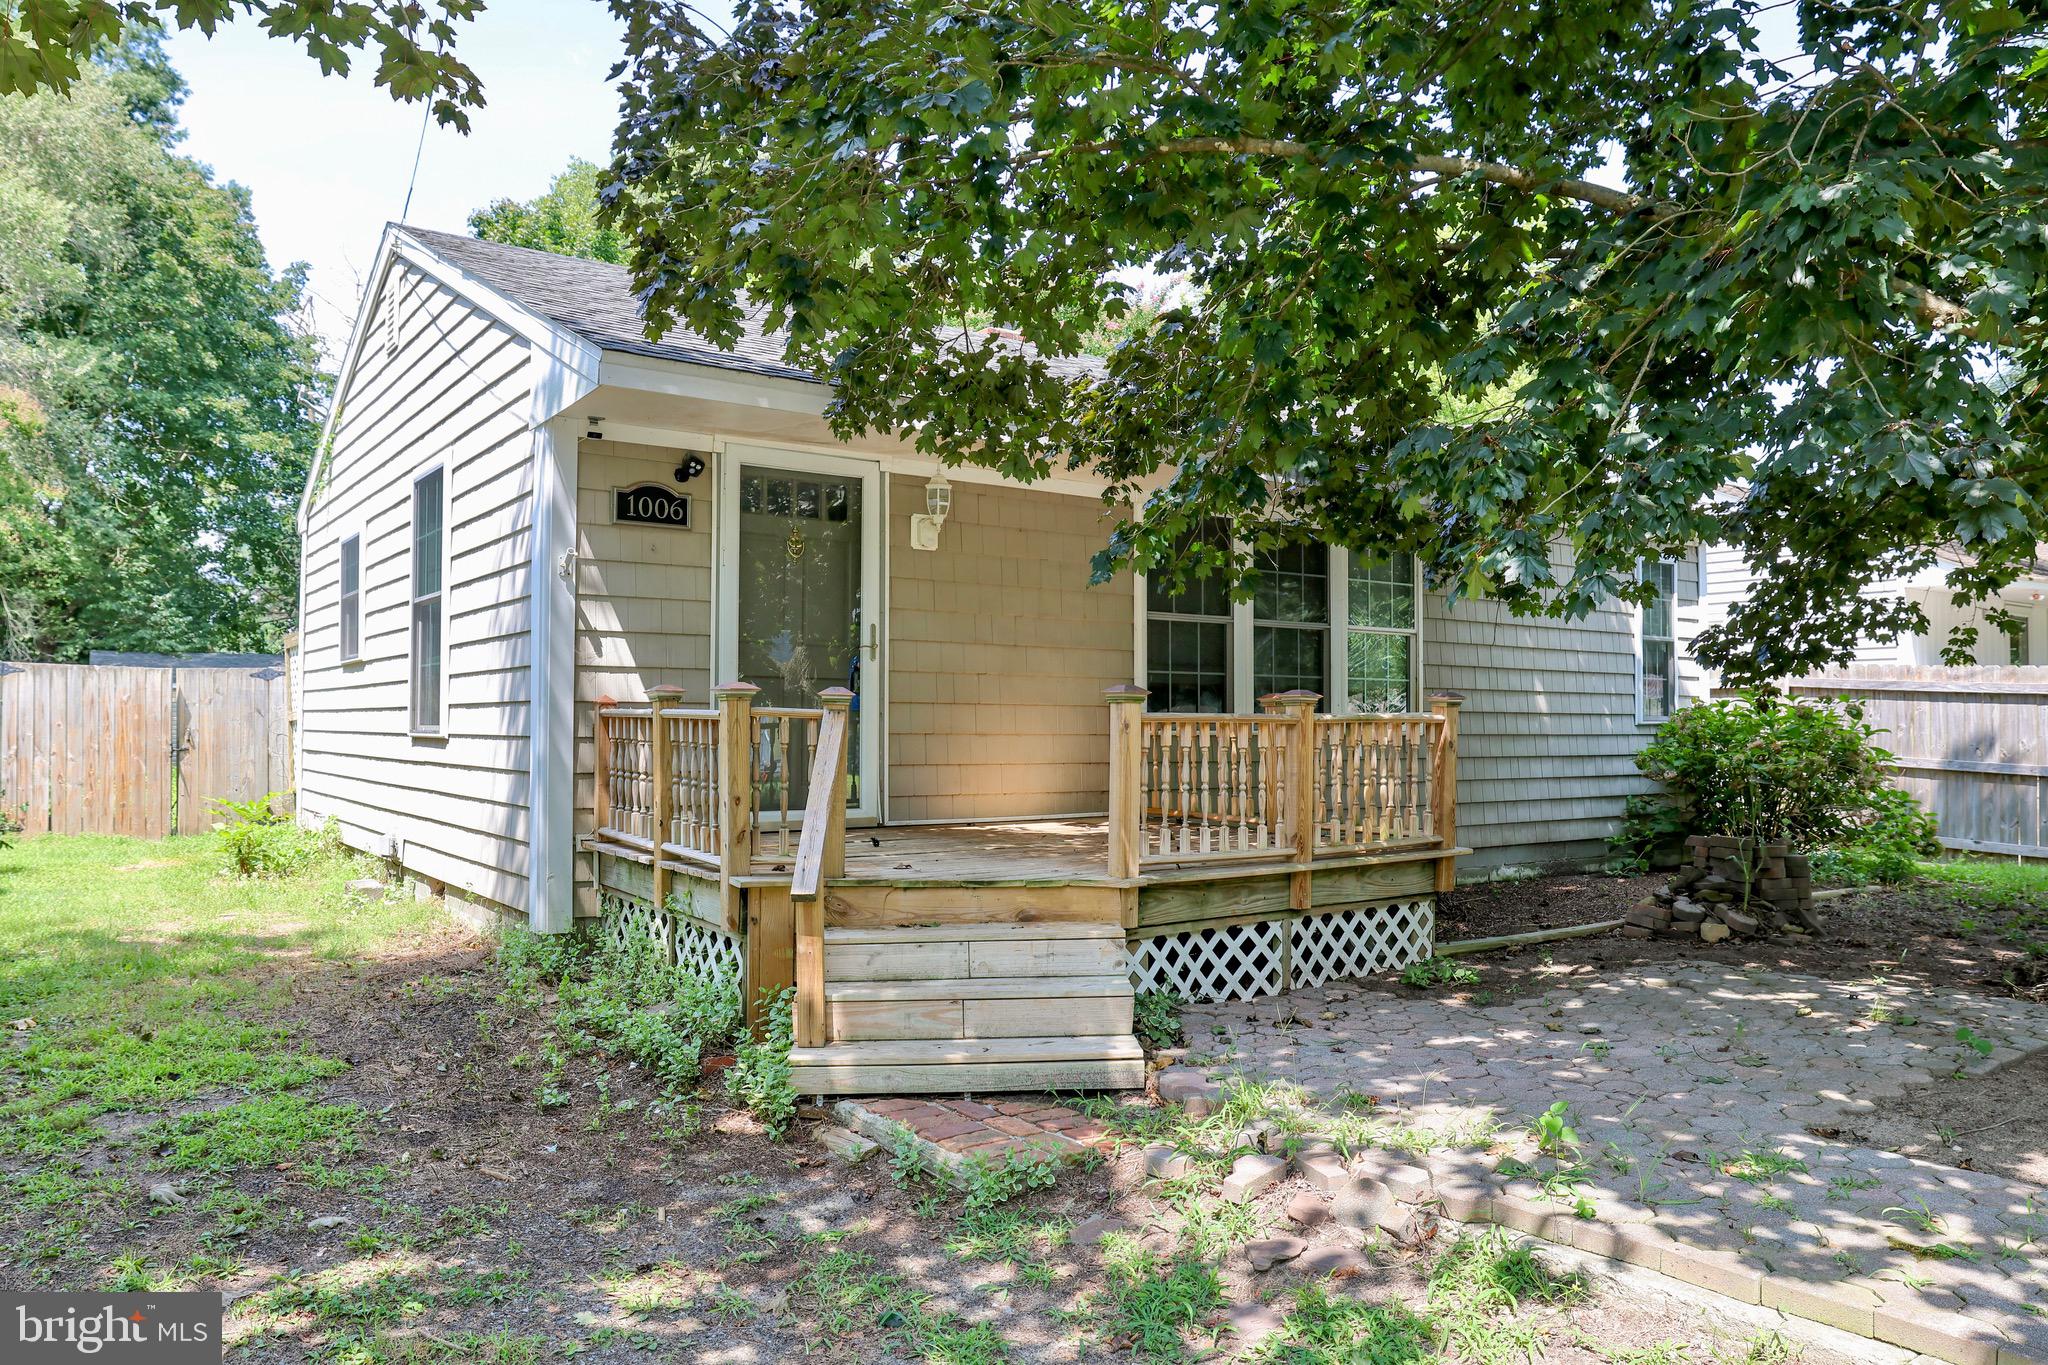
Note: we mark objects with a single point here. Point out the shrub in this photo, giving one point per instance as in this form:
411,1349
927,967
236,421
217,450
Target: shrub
1789,770
10,819
1886,847
259,841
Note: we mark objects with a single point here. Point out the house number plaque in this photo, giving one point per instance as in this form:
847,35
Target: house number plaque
652,504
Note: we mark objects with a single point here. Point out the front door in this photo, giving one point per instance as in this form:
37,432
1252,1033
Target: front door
801,595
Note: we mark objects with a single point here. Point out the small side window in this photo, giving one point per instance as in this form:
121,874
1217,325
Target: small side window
1657,645
351,599
429,646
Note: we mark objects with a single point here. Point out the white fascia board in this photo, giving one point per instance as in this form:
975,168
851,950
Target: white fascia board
711,383
569,363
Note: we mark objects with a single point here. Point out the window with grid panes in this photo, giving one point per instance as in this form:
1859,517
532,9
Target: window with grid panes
1291,621
1657,644
1187,641
1380,649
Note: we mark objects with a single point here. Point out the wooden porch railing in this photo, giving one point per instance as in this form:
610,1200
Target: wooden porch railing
1282,786
714,789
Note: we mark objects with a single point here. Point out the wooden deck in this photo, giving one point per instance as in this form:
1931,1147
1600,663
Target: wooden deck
1240,855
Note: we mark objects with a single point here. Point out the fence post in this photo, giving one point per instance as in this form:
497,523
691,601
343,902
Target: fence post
1443,788
1300,705
1126,759
735,702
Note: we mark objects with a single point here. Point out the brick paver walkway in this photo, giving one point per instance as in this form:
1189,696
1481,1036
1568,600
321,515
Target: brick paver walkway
993,1129
1682,1081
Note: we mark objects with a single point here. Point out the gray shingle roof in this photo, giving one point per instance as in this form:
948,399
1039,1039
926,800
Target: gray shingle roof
597,302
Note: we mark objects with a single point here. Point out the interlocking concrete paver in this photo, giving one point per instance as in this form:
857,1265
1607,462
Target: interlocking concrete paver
1678,1076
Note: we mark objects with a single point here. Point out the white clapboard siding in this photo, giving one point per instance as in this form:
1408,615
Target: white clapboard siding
1548,735
454,393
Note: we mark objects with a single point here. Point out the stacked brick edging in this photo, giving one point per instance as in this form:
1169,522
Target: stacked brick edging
1405,1196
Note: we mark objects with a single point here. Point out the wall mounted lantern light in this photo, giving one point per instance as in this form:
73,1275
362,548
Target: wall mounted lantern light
938,505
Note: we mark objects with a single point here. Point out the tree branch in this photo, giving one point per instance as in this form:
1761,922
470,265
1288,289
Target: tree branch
1933,309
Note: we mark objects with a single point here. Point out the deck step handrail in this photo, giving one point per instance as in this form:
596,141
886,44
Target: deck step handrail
1283,786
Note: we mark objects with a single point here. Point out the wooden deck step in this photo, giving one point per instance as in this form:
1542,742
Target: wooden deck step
1083,1062
961,951
977,1007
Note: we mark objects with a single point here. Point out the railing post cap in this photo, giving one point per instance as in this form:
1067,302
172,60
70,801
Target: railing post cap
1448,698
1125,692
665,692
835,697
734,689
1300,696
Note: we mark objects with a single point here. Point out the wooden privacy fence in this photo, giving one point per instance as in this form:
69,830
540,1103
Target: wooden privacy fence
1971,745
138,750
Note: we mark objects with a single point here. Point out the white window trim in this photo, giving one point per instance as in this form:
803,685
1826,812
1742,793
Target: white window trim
1341,665
1636,641
1336,659
341,598
412,598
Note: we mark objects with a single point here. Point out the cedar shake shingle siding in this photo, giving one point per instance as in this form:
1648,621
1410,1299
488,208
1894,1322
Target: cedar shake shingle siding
1548,735
643,604
997,656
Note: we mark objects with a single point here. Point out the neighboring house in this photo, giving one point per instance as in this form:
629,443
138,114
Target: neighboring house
1728,579
525,507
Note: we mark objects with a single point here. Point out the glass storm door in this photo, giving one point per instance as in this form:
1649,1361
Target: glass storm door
803,556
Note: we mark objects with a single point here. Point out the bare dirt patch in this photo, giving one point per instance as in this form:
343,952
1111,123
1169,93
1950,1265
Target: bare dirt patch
1911,934
1995,1123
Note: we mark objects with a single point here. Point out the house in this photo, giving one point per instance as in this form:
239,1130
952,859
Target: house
564,587
1726,580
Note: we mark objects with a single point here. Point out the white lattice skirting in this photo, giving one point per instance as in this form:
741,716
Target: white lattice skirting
1245,961
698,948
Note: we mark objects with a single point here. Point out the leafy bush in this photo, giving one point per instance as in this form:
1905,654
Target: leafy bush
1156,1019
1887,847
10,821
759,1077
260,841
1789,770
627,999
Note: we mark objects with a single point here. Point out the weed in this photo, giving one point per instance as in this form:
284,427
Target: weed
1432,972
759,1077
1156,1019
984,1183
1150,1303
1976,1042
1757,1168
1553,1131
258,1132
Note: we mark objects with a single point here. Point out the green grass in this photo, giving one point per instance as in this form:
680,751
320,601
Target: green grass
145,982
1991,884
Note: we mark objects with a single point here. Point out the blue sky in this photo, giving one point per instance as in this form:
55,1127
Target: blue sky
327,159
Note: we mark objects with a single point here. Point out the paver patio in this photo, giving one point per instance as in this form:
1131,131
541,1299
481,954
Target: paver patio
1679,1078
